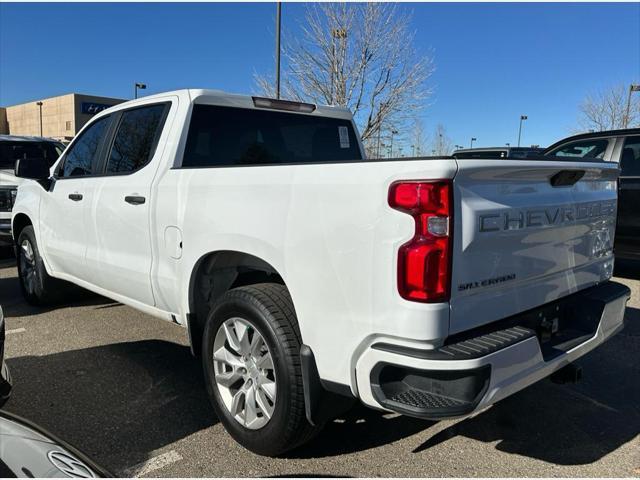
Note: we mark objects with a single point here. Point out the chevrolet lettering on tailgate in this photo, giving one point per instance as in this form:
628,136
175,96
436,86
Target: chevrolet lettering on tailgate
543,217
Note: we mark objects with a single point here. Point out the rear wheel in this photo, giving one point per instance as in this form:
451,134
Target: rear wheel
251,359
38,287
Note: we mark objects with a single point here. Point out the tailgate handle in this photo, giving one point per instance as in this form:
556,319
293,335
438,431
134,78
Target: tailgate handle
566,178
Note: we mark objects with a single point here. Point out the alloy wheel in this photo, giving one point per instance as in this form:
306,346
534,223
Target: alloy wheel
28,269
244,373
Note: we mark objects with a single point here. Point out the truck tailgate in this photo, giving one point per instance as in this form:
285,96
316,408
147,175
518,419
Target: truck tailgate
527,233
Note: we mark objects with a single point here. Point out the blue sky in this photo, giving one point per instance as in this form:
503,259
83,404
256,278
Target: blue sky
493,62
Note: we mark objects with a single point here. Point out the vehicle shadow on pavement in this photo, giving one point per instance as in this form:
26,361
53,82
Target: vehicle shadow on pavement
568,424
14,305
359,429
562,424
119,402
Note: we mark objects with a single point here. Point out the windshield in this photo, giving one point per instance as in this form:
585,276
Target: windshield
14,150
590,148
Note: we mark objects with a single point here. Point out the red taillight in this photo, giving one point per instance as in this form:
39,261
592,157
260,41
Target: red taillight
424,264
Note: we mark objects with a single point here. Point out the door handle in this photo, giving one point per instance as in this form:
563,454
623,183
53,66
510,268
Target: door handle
135,199
76,197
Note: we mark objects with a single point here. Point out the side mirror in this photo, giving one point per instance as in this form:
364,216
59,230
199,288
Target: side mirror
35,168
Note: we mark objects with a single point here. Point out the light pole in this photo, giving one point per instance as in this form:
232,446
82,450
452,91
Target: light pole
522,118
40,107
141,86
413,150
632,88
473,139
341,34
278,16
393,132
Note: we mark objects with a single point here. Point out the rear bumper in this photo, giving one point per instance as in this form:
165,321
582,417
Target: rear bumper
478,368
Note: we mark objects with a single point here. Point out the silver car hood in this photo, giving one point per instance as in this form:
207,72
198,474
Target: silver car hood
28,451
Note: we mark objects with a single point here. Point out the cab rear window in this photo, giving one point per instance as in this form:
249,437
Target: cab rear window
227,136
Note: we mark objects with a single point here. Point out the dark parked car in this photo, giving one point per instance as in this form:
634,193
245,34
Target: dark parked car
498,152
623,147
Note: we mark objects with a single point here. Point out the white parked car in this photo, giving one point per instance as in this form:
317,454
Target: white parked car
308,276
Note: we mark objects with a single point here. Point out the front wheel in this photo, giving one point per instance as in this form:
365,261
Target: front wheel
251,359
37,286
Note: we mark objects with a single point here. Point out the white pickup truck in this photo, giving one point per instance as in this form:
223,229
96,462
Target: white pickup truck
308,276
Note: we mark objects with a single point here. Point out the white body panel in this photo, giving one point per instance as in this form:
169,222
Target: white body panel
326,229
63,229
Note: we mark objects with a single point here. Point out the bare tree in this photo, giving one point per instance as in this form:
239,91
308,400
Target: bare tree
441,143
359,56
418,139
606,109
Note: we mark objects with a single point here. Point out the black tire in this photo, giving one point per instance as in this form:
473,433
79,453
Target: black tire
37,286
269,308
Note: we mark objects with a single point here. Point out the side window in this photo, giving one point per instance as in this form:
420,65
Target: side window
135,139
592,148
59,148
81,158
630,160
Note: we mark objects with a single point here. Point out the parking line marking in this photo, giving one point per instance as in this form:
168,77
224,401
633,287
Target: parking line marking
15,330
154,463
593,401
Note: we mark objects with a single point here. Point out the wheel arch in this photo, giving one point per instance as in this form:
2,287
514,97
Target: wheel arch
215,273
19,222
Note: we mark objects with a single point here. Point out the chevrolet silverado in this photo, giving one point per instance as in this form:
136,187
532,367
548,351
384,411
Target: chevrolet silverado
308,276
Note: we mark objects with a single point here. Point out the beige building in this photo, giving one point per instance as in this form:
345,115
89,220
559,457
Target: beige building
56,117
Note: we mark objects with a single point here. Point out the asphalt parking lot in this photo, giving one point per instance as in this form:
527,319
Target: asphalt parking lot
123,387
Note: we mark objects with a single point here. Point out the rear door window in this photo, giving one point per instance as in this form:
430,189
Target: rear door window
591,148
630,160
225,136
